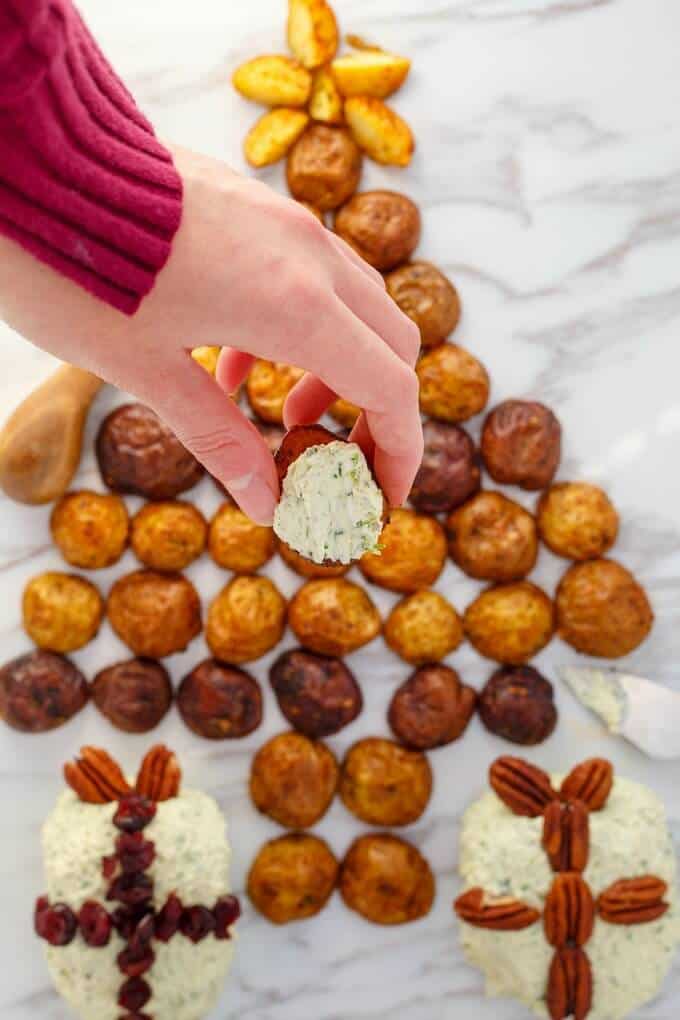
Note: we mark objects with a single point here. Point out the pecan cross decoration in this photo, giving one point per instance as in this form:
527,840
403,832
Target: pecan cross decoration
570,909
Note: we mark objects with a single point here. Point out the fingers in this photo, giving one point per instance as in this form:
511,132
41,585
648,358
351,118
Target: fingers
352,256
232,369
307,402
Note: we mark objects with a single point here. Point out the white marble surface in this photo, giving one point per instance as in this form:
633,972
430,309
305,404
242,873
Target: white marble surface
548,171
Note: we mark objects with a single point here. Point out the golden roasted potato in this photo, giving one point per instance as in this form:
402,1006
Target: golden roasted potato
423,627
325,104
344,412
370,73
428,298
382,226
274,81
307,568
386,880
267,387
312,31
270,137
207,358
168,536
510,623
292,878
602,610
293,780
383,783
324,166
333,616
379,131
237,543
90,528
154,614
493,538
61,612
247,619
413,553
454,385
577,520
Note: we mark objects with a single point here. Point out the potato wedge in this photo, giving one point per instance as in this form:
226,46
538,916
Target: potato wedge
272,135
312,31
379,131
358,42
325,103
273,81
370,73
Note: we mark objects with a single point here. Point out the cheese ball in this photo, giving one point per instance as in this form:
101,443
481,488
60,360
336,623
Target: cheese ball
602,610
450,471
386,880
423,627
61,612
385,784
576,520
134,696
268,386
237,543
522,444
382,226
168,536
318,694
90,528
155,614
517,704
307,568
247,619
510,623
428,298
454,385
293,780
432,708
492,538
220,702
324,167
413,553
41,691
292,878
333,616
344,412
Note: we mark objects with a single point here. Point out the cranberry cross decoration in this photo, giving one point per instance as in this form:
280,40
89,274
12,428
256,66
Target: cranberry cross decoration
570,909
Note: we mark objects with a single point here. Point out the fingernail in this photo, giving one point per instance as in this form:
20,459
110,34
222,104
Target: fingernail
254,496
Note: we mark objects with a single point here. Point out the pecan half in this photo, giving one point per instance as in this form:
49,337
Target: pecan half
96,777
570,985
633,901
498,913
591,782
522,787
566,835
569,914
159,775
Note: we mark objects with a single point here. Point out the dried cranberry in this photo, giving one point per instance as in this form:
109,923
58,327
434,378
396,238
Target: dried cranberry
109,867
167,922
144,932
135,1016
134,995
134,813
126,920
196,923
131,889
134,852
227,912
133,963
57,925
95,924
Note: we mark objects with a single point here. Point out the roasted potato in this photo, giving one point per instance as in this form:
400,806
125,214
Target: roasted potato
386,880
510,623
237,543
370,73
517,704
493,538
246,620
423,627
577,520
344,412
296,441
41,691
207,358
379,131
522,444
602,610
450,469
90,529
333,616
273,81
413,553
312,31
325,104
431,708
134,696
324,167
427,297
307,568
385,784
155,614
168,536
292,878
220,702
317,694
293,780
267,387
61,612
270,137
454,385
382,226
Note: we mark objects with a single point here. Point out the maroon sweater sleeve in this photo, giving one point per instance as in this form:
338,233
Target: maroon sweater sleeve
84,184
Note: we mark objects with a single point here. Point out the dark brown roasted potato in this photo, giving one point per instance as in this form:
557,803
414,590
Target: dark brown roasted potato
577,520
333,616
247,619
413,553
423,627
385,784
450,469
293,780
517,704
431,708
317,694
493,538
454,385
510,623
297,440
428,297
324,167
90,528
386,880
134,695
155,614
382,226
292,878
220,702
41,691
522,444
168,536
237,543
61,612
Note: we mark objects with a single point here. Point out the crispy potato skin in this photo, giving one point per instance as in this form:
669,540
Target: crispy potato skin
517,704
510,623
134,696
155,614
293,780
386,880
267,387
61,612
312,31
325,104
432,708
423,627
292,878
247,619
576,520
220,702
307,568
602,610
522,444
450,470
271,137
237,543
90,528
168,536
41,691
370,73
273,80
428,298
324,166
382,226
383,783
297,440
379,131
344,412
492,538
317,694
413,553
333,616
454,385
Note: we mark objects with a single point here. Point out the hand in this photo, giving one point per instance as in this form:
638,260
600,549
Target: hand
257,272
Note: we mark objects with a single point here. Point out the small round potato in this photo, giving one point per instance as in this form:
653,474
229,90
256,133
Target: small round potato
41,691
510,623
292,878
324,167
268,386
155,614
432,708
90,529
220,702
247,619
450,469
344,412
493,538
602,610
61,612
454,385
522,444
168,536
576,520
423,627
333,616
517,703
293,780
134,696
385,784
382,226
413,553
308,568
318,694
237,543
427,297
386,880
